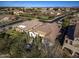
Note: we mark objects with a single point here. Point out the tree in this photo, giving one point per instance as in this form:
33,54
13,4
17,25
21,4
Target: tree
16,44
65,23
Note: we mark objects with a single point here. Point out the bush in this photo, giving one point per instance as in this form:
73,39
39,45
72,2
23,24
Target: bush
13,42
65,23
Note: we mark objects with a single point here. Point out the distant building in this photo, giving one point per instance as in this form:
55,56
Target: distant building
68,9
59,13
71,41
7,18
17,12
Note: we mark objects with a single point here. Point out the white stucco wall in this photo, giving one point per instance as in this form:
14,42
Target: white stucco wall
76,41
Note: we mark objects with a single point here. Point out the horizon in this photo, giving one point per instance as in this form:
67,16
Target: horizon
39,4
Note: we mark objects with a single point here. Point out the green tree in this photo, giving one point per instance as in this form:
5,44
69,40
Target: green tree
14,42
65,23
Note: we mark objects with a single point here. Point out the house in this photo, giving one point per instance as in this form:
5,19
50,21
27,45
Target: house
58,13
20,28
68,9
7,17
17,12
71,42
45,30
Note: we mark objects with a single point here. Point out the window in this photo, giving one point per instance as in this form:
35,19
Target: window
77,39
66,41
70,42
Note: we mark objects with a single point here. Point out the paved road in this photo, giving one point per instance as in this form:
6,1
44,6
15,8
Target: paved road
49,21
15,23
10,24
58,17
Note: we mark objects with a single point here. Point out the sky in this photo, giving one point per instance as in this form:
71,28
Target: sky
39,3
